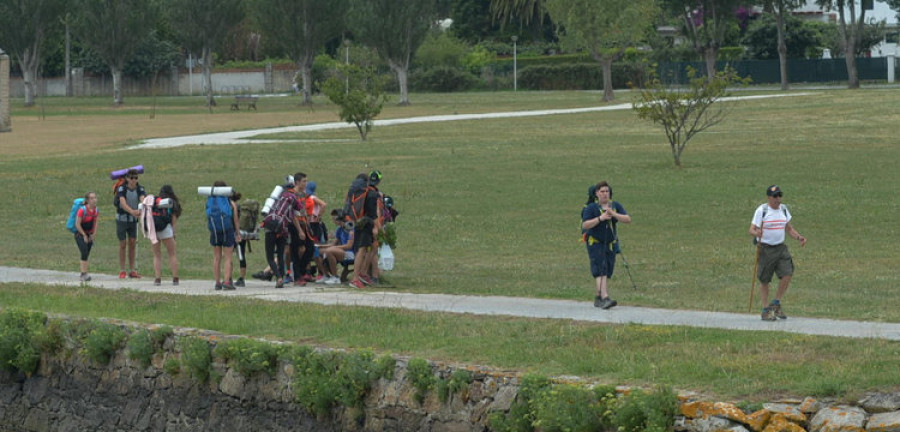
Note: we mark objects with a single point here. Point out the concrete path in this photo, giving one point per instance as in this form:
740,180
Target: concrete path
245,137
462,304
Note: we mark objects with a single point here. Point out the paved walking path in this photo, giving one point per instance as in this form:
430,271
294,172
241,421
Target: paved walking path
478,305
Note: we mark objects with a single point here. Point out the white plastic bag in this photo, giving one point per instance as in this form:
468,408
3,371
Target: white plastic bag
385,258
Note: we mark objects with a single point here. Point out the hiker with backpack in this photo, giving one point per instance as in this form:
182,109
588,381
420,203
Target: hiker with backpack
770,223
598,226
277,233
165,211
129,195
302,246
363,207
222,222
85,226
248,217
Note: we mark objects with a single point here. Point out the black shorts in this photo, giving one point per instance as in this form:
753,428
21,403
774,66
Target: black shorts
126,229
603,259
362,233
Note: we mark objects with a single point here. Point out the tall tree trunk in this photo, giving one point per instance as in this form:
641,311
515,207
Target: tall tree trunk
207,77
852,73
606,64
710,53
306,75
782,50
30,62
68,60
117,85
402,79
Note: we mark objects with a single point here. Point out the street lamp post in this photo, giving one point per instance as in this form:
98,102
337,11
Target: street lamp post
515,69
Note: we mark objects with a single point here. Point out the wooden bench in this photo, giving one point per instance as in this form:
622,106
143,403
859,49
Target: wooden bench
249,101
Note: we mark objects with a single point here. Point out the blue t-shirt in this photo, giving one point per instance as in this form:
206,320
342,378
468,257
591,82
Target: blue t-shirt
603,232
342,236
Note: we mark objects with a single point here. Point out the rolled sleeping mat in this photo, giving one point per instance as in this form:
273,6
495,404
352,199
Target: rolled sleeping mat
117,174
270,201
165,203
225,191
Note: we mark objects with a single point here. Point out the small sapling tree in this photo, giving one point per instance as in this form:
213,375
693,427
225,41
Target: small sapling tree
685,112
359,92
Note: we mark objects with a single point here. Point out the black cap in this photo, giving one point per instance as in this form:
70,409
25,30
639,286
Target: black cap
773,191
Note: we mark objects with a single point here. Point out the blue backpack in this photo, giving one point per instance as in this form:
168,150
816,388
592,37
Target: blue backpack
219,214
73,214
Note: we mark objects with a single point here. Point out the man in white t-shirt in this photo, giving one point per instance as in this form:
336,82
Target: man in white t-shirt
771,222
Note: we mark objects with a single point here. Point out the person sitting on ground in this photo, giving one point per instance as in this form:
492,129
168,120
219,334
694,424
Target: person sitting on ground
340,249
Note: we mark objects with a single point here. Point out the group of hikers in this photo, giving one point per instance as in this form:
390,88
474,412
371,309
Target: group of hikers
298,247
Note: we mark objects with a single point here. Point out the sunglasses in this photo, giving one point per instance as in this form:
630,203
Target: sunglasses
132,178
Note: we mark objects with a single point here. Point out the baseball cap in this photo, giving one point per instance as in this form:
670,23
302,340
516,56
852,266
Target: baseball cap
773,190
375,178
311,188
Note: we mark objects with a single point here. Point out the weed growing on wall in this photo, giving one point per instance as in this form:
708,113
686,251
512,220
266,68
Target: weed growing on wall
327,379
457,383
542,405
20,335
102,340
140,347
420,376
249,356
196,357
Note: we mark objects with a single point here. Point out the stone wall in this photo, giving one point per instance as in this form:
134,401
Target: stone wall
69,392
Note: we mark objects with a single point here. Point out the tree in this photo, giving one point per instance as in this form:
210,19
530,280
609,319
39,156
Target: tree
113,29
605,28
851,31
202,26
802,39
24,28
301,28
705,22
395,29
683,113
359,92
781,9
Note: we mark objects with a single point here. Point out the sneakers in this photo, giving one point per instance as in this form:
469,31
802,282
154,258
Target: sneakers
134,275
299,283
288,279
218,286
332,280
175,281
122,274
598,301
157,282
776,309
608,303
365,279
228,286
320,278
768,314
355,283
85,277
279,283
240,283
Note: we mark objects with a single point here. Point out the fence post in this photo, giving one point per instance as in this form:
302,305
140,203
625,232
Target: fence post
5,120
891,60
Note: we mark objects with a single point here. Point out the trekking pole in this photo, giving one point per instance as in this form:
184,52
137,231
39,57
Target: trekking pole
628,269
755,267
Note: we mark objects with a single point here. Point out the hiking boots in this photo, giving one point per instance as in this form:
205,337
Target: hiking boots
240,283
218,286
134,275
776,310
175,281
228,286
598,301
85,277
157,282
768,314
608,303
279,283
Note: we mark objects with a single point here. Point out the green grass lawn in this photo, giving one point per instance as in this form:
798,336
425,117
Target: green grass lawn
492,207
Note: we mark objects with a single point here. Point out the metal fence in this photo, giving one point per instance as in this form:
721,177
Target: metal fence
768,71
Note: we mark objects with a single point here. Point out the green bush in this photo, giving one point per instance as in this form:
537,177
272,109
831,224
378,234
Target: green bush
646,412
578,76
457,383
102,341
160,334
442,80
196,357
249,356
421,377
20,347
441,50
324,380
172,366
141,347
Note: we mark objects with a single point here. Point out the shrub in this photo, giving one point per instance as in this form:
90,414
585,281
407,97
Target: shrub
421,377
458,383
325,379
442,79
20,336
102,341
141,347
160,334
172,366
646,412
249,356
441,50
196,357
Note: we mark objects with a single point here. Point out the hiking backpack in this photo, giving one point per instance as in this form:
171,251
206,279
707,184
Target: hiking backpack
279,215
162,217
73,214
219,214
248,215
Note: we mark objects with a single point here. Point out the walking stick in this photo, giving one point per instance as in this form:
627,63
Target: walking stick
755,267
